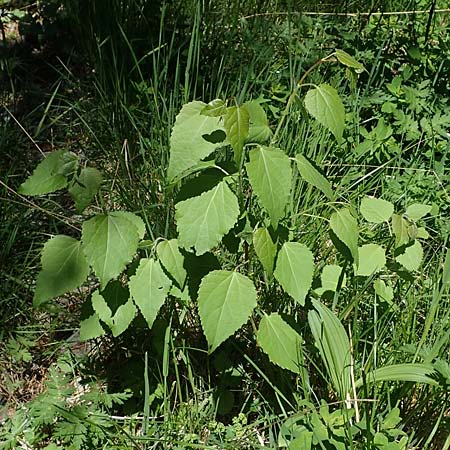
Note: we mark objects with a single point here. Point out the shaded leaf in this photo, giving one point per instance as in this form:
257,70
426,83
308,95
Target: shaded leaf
294,270
265,248
84,188
202,221
280,342
149,288
91,328
325,105
64,268
214,108
310,174
348,60
225,302
270,174
187,144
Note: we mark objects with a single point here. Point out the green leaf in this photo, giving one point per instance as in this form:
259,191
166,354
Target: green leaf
345,227
91,328
259,130
225,302
101,308
372,258
47,176
202,221
280,342
348,60
134,219
412,257
149,288
400,227
109,243
422,233
311,175
334,346
417,211
84,188
214,108
330,279
187,143
325,105
376,210
171,258
64,268
123,318
294,270
383,291
414,372
270,174
237,122
265,248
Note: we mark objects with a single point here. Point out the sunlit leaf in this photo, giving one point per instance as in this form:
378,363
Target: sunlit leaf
91,328
310,174
84,188
376,210
171,258
348,60
265,248
345,227
384,291
417,210
330,277
225,302
214,108
237,122
412,257
400,227
259,130
372,258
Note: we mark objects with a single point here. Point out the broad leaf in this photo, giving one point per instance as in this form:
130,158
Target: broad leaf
149,288
376,210
225,302
311,175
348,60
101,308
202,221
383,291
171,258
187,143
265,248
372,258
91,328
123,318
417,210
259,130
414,372
334,346
400,227
270,174
412,257
64,268
345,227
280,342
109,243
134,219
214,108
236,122
330,279
84,188
295,269
325,105
47,177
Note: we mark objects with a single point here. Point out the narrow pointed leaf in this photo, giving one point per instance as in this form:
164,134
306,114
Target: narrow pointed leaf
101,308
225,302
47,177
345,227
84,188
325,105
372,258
414,372
311,175
171,258
187,143
280,342
348,60
295,269
109,243
265,248
270,174
236,122
64,268
376,210
400,227
334,346
259,131
149,288
412,257
202,221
